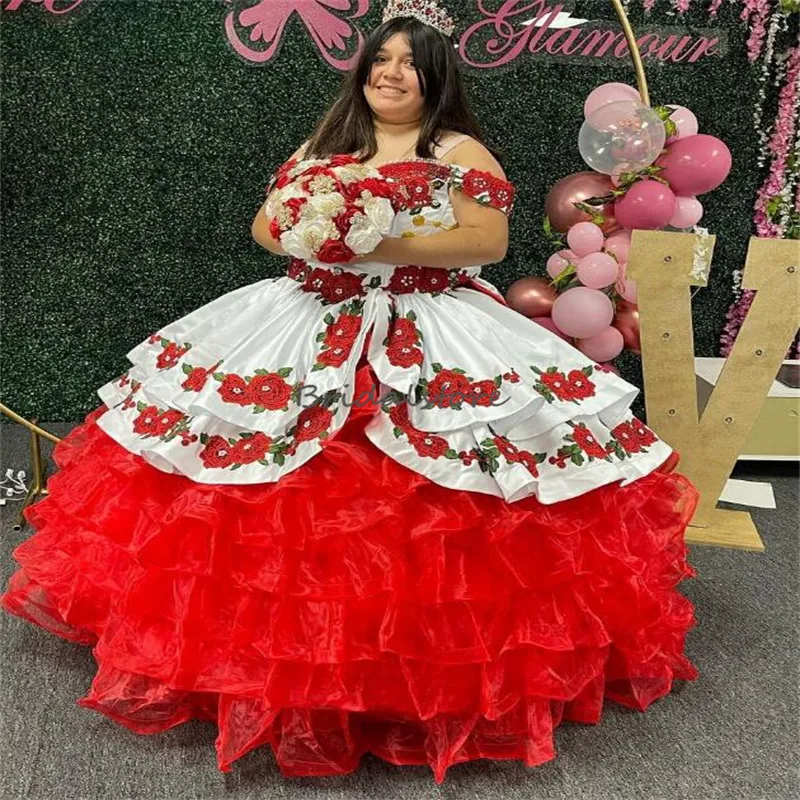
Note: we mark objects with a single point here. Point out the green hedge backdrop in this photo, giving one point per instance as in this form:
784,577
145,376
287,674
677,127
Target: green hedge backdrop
136,145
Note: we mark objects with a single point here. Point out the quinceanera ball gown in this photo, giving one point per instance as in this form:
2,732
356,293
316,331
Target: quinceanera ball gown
243,538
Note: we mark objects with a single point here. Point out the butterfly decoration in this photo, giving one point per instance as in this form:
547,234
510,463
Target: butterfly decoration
329,22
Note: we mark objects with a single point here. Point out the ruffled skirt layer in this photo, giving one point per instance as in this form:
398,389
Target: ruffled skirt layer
356,606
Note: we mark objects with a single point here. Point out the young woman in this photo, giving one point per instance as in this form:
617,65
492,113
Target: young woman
368,507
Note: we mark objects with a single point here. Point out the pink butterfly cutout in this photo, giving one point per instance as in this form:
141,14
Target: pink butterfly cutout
332,30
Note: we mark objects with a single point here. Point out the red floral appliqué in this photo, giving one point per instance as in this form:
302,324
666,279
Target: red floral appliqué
553,385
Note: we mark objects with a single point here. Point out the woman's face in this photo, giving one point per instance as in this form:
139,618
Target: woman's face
392,90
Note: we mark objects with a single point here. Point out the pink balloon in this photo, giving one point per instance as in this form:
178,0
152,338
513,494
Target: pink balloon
619,244
547,322
556,264
597,270
609,93
585,238
582,312
688,212
695,165
606,345
628,289
647,205
685,121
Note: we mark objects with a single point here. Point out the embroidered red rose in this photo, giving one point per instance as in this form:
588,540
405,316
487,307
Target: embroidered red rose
196,379
511,377
476,182
399,416
251,448
335,356
418,190
234,390
448,388
428,444
337,288
404,279
343,331
586,441
580,385
508,450
312,422
335,251
270,391
483,393
217,453
145,424
170,356
432,279
298,269
558,384
645,435
166,420
404,355
530,462
403,331
627,437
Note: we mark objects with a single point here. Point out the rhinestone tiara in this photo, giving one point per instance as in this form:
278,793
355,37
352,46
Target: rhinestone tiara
426,11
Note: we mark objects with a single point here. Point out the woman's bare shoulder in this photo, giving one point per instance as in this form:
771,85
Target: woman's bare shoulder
471,153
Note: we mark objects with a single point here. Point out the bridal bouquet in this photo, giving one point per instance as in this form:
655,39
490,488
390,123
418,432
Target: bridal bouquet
330,210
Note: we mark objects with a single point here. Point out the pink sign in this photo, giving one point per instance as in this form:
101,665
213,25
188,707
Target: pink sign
537,28
255,32
53,6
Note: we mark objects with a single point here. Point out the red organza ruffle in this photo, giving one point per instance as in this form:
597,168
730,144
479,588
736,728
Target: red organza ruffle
356,606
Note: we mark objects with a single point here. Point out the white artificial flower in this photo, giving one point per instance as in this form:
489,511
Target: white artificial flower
294,244
363,236
324,205
380,212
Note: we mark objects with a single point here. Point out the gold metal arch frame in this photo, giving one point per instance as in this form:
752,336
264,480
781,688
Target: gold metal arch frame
38,488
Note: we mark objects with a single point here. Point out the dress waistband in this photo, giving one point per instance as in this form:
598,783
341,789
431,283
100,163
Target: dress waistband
340,283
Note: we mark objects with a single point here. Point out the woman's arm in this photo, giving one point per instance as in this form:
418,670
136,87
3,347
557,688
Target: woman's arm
481,236
260,226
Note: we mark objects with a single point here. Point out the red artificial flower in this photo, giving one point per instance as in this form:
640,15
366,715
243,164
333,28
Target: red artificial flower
234,390
580,385
428,444
251,448
312,422
295,205
448,388
196,379
343,331
335,251
270,391
217,453
586,441
341,160
483,393
404,355
404,331
344,220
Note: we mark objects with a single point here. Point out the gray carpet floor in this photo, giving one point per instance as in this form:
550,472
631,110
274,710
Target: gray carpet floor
730,734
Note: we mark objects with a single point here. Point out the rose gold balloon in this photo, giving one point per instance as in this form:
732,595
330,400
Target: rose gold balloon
575,189
627,323
531,296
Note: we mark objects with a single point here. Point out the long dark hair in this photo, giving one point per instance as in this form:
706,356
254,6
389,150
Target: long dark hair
348,127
